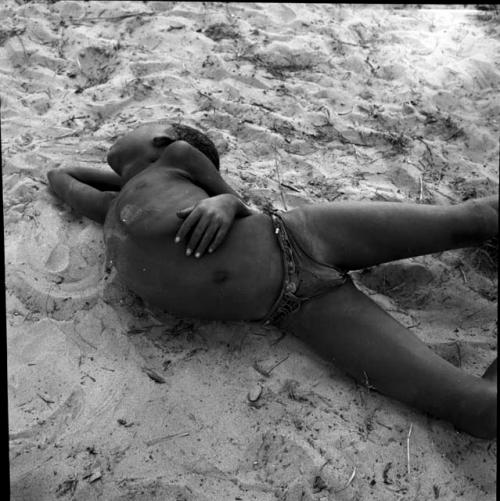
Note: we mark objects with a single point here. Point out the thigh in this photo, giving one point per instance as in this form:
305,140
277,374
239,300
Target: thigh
353,235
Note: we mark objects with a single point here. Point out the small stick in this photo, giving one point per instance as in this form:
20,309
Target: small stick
351,478
290,187
279,179
408,450
63,136
46,400
470,315
463,274
149,443
267,372
153,375
89,376
328,114
458,131
372,68
459,354
324,464
112,18
421,189
47,301
367,382
345,112
24,48
353,44
278,363
427,146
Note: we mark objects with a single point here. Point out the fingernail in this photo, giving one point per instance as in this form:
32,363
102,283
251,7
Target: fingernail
197,254
188,252
177,240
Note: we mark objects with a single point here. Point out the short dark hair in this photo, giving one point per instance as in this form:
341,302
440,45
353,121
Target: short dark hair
199,141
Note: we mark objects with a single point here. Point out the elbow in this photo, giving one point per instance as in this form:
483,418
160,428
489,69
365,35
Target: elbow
52,177
58,181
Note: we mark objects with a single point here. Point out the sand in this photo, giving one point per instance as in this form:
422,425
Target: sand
306,103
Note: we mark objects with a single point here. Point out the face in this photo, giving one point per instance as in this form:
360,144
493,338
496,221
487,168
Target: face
140,148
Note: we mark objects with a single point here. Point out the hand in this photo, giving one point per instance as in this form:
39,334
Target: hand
208,221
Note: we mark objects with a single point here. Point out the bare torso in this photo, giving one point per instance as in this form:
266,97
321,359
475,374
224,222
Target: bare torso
240,281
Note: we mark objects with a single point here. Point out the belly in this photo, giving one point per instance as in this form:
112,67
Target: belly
240,281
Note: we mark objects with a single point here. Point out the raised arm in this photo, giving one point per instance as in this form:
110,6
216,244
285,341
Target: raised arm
209,221
181,154
88,191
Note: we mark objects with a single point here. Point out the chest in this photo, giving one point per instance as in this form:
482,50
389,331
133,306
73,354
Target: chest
150,201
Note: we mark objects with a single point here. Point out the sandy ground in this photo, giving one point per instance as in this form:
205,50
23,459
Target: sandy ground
307,103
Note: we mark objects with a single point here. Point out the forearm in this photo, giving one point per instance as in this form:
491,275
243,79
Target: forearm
98,179
203,172
61,179
83,198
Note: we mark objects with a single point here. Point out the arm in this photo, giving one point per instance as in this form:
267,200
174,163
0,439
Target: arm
210,220
88,191
181,154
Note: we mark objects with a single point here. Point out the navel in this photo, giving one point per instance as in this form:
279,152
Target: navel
220,276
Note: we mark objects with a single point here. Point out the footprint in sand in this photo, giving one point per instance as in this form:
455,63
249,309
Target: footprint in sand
96,65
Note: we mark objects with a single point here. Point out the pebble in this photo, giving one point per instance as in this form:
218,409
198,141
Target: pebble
255,393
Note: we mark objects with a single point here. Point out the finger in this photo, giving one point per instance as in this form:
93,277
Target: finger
219,238
206,239
183,213
186,226
196,234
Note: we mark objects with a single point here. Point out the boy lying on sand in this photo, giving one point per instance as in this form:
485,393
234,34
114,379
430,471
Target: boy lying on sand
289,269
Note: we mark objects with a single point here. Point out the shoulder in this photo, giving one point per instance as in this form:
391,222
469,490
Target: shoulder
177,152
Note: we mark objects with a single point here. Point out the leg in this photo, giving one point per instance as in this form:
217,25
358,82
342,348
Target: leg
349,328
356,235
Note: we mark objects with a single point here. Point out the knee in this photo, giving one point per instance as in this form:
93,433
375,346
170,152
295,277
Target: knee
478,415
51,175
487,216
54,177
482,216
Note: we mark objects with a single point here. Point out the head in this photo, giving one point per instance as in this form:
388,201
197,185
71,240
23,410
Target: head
138,149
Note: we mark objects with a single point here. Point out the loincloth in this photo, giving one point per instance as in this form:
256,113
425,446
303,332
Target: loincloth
303,276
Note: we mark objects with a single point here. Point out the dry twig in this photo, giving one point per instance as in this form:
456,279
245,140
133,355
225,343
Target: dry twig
463,274
155,441
408,450
351,478
278,174
267,372
45,399
112,18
